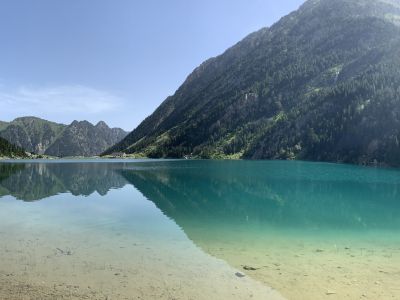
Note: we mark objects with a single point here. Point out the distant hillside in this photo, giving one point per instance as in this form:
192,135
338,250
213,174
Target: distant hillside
85,139
320,84
9,150
44,137
33,134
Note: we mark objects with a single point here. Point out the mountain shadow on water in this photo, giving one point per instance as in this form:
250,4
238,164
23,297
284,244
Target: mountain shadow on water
206,197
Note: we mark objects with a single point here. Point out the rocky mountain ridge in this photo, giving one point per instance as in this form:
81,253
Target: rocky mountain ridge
40,136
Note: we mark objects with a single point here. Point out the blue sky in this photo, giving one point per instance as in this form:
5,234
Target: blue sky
113,60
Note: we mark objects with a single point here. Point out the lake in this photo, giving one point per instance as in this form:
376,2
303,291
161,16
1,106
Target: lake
183,229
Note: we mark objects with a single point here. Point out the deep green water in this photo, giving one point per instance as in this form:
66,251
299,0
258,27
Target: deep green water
236,211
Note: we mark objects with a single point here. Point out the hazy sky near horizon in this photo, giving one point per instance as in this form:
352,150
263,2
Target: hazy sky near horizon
113,60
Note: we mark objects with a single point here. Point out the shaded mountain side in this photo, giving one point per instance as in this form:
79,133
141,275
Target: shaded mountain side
35,181
33,134
320,84
44,137
9,150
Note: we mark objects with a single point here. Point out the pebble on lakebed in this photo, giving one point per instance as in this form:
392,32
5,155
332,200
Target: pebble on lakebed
248,268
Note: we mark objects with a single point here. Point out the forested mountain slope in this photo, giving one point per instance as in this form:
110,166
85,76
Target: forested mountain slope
9,150
323,83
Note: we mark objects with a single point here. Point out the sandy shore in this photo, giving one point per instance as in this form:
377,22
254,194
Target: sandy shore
34,269
11,289
304,269
52,263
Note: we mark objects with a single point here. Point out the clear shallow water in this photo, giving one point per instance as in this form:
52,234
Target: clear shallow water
162,229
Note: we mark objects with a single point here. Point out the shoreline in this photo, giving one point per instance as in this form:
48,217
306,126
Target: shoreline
127,158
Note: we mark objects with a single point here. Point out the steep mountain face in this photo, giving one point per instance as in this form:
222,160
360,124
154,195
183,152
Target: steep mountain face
32,134
85,139
10,150
321,84
44,137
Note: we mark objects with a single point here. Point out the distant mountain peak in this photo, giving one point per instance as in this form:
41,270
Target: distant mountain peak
352,8
102,124
27,118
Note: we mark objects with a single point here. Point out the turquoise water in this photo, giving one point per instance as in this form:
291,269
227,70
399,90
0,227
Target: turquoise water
308,230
